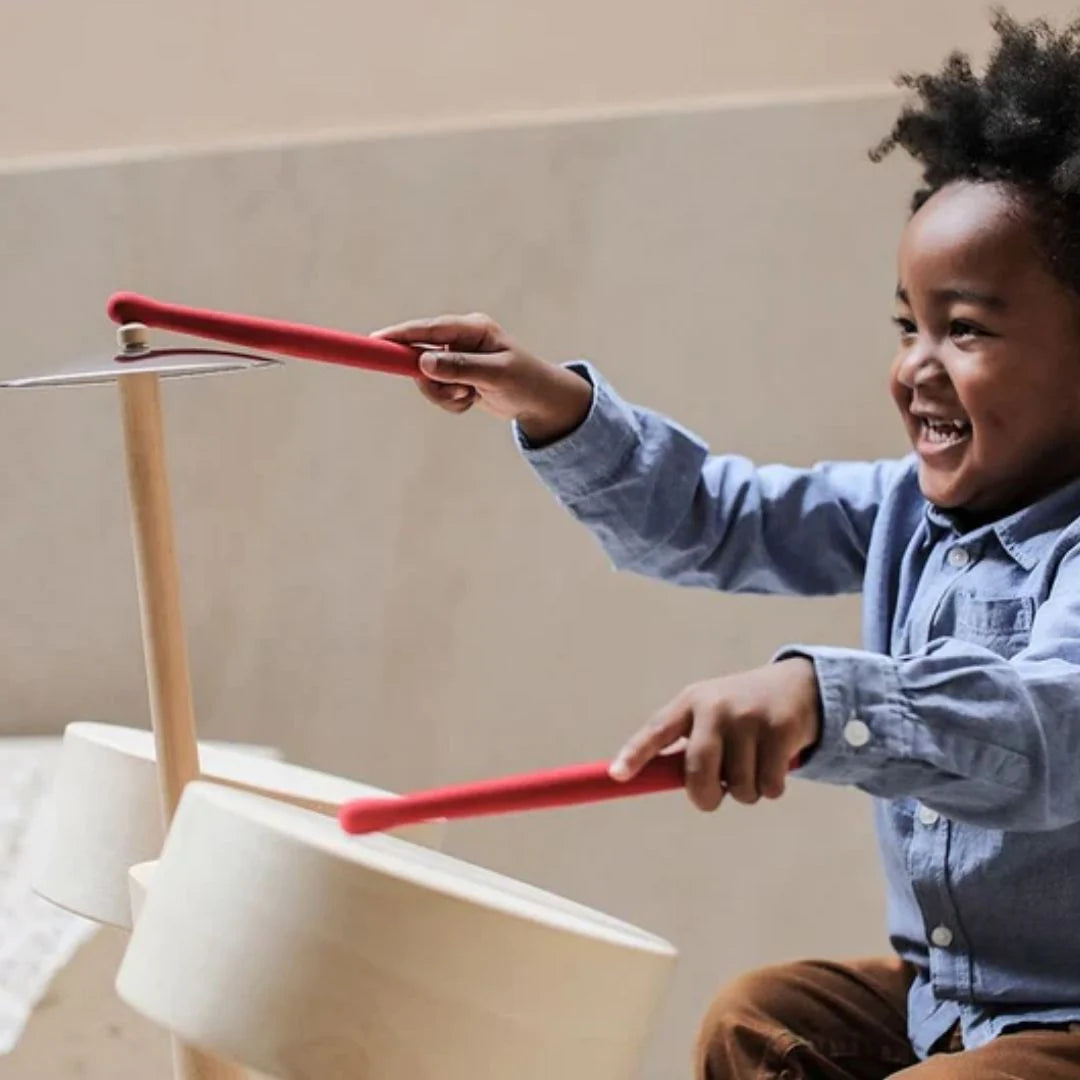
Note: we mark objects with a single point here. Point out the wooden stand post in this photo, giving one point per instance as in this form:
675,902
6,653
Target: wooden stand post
171,713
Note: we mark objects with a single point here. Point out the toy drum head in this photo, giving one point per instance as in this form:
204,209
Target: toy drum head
105,812
271,938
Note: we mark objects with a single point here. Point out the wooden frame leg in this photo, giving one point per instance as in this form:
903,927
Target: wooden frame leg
168,680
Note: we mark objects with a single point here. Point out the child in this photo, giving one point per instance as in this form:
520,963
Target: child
961,714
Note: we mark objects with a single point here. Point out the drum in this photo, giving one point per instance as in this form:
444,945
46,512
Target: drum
270,937
139,878
266,936
105,812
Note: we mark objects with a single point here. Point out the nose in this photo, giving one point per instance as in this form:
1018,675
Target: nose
919,365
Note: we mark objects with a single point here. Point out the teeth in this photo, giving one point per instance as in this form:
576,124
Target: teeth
944,431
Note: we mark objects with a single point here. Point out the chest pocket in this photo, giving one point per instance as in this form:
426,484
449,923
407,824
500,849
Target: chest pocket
1002,624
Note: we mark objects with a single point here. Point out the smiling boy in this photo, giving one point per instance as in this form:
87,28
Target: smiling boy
960,713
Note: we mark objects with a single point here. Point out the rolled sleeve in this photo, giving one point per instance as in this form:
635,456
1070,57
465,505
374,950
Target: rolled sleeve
595,451
969,734
864,722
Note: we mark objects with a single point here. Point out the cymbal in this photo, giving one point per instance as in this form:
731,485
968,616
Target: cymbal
167,363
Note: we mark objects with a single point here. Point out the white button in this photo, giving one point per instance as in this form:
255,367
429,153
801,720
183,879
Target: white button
941,936
959,557
928,816
856,732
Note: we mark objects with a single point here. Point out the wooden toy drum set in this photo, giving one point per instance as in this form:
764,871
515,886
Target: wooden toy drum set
295,923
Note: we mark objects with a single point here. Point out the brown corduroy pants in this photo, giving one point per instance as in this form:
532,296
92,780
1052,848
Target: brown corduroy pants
818,1020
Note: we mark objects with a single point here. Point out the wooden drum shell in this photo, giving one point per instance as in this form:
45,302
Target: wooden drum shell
104,815
271,938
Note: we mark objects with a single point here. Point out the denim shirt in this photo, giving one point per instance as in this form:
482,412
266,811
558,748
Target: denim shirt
960,714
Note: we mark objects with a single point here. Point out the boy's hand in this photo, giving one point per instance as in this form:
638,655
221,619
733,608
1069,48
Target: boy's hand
741,732
473,360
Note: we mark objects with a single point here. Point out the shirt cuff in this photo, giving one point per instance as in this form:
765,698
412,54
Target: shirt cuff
865,723
596,450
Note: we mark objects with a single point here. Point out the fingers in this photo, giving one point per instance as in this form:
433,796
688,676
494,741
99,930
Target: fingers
772,768
740,764
463,333
671,723
453,397
705,760
741,733
469,369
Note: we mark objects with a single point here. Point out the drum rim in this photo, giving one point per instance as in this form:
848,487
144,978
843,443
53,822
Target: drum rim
390,856
137,744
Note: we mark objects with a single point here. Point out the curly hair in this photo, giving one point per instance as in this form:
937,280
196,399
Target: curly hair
1017,124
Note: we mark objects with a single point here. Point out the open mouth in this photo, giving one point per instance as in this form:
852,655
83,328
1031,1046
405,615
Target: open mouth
943,433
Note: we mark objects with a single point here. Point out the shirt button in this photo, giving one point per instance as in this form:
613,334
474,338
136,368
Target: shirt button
928,816
959,557
941,936
856,732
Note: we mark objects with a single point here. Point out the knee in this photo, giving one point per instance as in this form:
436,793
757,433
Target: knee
745,1021
764,996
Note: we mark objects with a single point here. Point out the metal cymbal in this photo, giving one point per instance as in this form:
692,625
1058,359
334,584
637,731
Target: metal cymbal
167,363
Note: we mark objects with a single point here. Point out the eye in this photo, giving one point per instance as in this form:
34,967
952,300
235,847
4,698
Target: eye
963,330
905,326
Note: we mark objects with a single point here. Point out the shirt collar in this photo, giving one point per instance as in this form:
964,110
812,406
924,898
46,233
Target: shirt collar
1027,534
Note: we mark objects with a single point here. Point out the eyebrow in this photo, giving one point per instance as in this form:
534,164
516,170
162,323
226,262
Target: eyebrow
959,296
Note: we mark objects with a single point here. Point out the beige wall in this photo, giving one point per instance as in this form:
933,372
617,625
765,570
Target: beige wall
123,73
383,590
380,589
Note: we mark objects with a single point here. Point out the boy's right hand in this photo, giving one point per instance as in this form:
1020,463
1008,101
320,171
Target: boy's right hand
473,361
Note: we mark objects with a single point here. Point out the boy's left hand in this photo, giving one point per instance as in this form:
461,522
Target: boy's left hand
742,732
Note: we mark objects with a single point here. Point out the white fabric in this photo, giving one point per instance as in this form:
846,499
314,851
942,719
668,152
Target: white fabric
36,938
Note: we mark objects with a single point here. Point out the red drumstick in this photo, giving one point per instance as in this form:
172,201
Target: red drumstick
530,791
512,794
269,335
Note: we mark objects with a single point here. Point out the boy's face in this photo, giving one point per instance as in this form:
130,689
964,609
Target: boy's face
987,375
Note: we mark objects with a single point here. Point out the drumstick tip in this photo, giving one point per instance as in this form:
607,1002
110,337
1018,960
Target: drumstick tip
119,305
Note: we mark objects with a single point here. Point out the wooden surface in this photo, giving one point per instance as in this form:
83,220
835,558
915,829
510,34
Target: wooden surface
190,1063
82,1031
